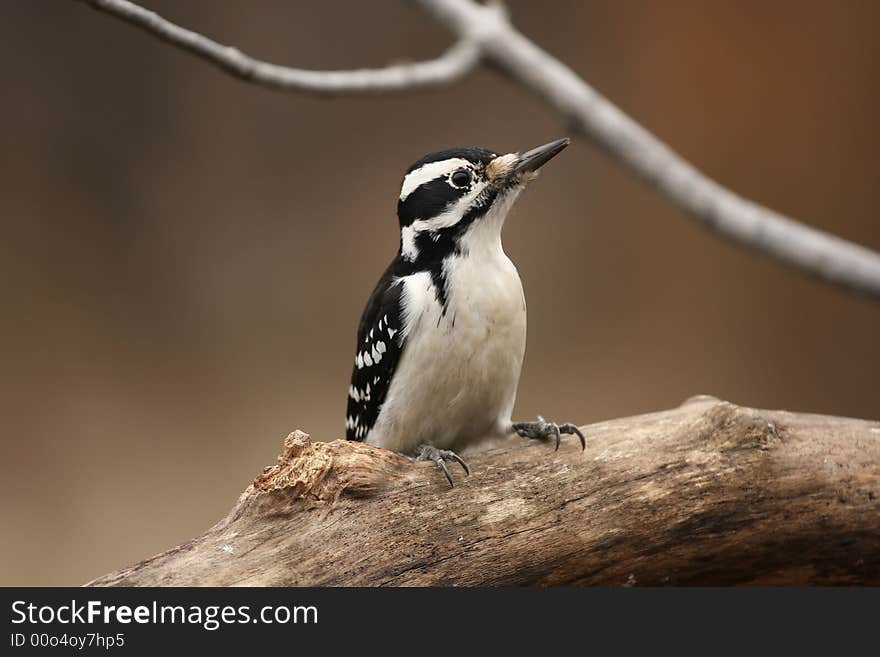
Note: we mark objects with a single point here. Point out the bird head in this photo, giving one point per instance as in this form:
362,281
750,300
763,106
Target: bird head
447,195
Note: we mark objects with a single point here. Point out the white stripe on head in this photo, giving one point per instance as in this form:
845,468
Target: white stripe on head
449,217
452,214
428,172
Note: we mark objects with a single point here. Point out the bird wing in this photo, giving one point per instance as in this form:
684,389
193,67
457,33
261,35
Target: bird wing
380,344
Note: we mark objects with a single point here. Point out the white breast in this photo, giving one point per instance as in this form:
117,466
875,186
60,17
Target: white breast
457,378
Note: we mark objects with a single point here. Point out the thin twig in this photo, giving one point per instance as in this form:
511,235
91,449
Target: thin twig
485,31
455,63
771,233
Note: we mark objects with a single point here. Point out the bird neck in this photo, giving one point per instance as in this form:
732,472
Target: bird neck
477,233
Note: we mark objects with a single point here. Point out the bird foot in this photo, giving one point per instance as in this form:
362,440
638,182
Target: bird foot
440,456
543,430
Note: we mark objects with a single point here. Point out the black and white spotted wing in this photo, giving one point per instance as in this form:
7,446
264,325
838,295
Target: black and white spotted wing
379,346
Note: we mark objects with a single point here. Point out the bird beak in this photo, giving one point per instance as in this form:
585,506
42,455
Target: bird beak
534,159
523,167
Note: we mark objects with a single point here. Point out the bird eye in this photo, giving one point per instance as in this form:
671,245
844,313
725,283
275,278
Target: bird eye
460,178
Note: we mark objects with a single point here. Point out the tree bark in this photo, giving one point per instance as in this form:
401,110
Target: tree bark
708,493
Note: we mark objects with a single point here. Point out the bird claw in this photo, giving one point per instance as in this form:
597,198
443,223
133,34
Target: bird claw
440,456
542,430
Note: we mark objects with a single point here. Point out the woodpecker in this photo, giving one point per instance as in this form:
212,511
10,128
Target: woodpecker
441,341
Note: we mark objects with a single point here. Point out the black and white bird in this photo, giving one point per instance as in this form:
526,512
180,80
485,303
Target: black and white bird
441,341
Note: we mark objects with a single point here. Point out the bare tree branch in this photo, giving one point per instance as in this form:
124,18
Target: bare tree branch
771,233
708,493
449,67
486,32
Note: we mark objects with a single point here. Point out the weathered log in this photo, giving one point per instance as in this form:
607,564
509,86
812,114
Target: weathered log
708,493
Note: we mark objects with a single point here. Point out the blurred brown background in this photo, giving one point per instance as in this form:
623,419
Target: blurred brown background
185,257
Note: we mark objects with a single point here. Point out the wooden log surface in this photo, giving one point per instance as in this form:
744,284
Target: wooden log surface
708,493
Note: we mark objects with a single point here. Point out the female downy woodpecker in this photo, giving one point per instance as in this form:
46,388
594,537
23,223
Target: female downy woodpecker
441,341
